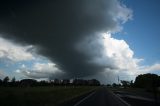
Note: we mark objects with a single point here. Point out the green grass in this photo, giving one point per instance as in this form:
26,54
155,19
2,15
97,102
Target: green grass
40,96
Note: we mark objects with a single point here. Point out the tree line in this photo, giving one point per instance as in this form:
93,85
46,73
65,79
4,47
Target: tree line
56,82
147,81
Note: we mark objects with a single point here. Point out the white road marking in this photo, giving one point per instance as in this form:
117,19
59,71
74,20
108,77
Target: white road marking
136,97
127,104
84,99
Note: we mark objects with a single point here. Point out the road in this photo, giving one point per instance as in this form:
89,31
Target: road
137,100
100,97
105,97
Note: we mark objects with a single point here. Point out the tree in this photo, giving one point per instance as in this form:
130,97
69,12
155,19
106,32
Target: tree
114,85
6,79
1,82
147,81
13,80
125,83
28,82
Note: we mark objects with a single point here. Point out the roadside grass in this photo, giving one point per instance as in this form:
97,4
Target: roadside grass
40,96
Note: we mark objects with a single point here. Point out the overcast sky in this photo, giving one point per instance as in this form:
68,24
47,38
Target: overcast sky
100,39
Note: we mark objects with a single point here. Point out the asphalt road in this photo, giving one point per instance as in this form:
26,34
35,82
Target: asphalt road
100,97
105,97
137,100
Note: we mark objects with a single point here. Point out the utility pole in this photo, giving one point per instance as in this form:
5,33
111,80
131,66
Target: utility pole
118,79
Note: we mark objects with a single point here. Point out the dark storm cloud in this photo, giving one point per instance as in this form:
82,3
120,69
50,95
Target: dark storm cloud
56,26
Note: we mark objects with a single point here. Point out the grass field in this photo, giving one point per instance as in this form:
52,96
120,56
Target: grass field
40,96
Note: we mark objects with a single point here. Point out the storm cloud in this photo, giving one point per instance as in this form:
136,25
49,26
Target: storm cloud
58,29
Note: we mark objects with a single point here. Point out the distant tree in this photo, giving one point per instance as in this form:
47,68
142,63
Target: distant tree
6,79
131,84
13,80
114,85
80,82
57,82
43,83
28,82
1,82
125,83
93,82
108,85
158,81
65,82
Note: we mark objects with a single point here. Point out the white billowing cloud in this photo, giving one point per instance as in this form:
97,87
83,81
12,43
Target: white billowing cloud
18,71
107,51
14,52
45,67
23,66
155,67
40,70
18,53
114,55
120,14
119,52
148,69
122,57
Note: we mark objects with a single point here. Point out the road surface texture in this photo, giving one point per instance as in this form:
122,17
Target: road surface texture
100,97
105,97
137,100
